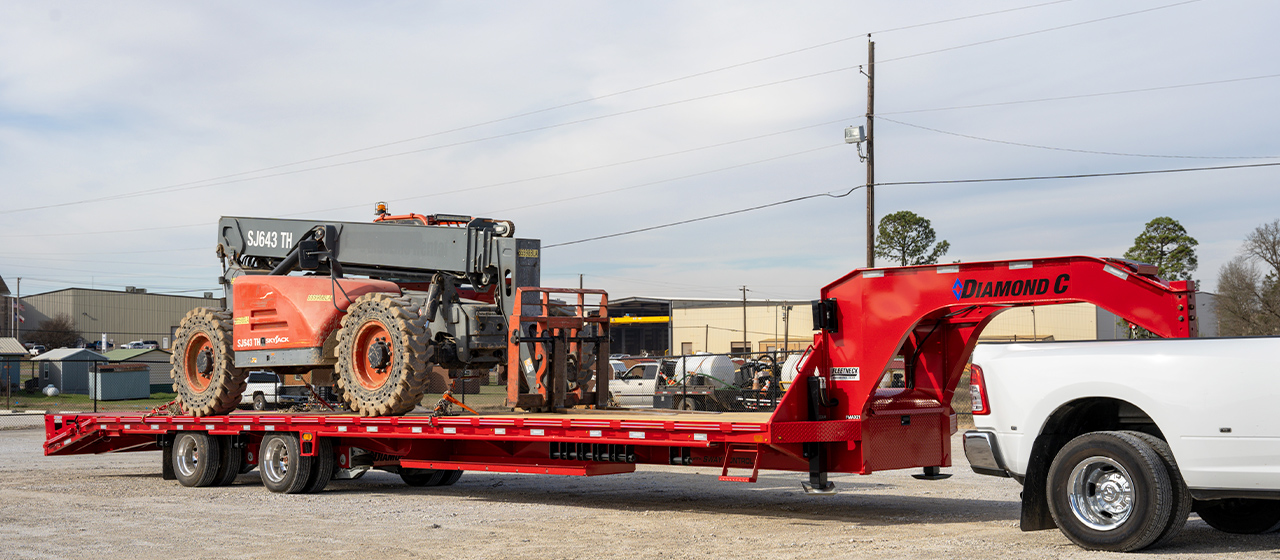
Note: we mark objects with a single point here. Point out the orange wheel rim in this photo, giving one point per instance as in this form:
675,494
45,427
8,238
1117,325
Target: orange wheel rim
374,353
198,362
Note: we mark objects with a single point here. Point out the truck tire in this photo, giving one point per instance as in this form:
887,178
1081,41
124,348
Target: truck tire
1242,516
322,468
1110,491
283,467
421,477
196,459
1181,494
204,373
689,403
259,402
382,355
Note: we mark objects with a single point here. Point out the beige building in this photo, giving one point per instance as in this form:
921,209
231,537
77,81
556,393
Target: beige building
122,316
710,325
716,325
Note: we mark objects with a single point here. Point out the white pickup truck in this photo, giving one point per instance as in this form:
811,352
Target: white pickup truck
1116,442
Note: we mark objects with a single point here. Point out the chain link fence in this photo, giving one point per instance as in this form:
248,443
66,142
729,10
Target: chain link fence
727,382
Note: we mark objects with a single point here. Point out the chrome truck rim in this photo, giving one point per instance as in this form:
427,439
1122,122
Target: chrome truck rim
1101,493
275,460
188,456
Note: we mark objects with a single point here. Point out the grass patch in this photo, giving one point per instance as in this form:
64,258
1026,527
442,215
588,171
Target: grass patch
38,401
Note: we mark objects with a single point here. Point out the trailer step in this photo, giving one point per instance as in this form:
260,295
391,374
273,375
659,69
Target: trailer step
742,450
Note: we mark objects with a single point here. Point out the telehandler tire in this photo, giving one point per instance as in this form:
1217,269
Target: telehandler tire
382,355
204,373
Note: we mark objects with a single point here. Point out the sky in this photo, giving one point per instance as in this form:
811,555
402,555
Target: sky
128,128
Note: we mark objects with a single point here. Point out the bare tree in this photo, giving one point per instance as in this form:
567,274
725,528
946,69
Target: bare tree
58,331
1249,298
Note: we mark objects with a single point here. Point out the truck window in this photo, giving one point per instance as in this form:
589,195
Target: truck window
262,377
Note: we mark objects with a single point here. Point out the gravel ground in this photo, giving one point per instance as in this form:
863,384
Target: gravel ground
117,506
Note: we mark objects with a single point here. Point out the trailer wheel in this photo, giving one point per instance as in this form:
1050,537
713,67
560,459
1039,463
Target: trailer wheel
195,459
1110,491
282,466
231,461
1242,516
382,355
204,373
449,478
1181,494
322,468
421,477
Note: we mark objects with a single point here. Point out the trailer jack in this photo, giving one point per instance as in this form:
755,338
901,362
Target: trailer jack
819,485
932,473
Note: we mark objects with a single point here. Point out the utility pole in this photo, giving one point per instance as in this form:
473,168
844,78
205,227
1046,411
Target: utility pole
871,151
786,330
579,281
744,318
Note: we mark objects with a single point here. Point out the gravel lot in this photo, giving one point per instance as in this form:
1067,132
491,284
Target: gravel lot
117,506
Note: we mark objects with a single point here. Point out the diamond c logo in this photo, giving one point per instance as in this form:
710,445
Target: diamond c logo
958,288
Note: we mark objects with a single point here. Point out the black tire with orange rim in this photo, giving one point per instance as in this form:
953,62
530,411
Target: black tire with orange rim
382,355
204,373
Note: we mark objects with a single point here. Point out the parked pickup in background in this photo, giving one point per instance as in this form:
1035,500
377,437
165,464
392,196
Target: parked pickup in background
264,392
1116,442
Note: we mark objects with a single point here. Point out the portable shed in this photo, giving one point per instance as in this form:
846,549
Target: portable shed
157,362
12,355
68,368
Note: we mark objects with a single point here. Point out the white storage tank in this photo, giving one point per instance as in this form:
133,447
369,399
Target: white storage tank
720,368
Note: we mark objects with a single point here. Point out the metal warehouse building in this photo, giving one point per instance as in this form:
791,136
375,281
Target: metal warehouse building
123,316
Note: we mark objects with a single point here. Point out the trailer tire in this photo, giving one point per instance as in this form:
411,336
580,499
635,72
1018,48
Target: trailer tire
281,464
196,459
1110,491
382,355
204,373
449,478
322,467
1242,516
1181,494
421,477
230,463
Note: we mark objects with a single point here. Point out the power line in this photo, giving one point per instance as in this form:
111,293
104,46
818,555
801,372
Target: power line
1025,145
692,220
1079,96
904,183
584,169
229,179
668,180
1029,33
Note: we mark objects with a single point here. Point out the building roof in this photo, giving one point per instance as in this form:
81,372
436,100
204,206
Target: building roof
118,292
68,353
4,288
123,354
10,345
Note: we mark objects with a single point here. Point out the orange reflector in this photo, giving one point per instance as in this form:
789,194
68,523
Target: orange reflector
307,437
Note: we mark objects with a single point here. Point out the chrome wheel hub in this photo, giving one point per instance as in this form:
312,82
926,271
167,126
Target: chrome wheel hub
1101,493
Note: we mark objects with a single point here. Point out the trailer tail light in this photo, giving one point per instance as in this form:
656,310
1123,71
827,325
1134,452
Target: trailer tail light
978,391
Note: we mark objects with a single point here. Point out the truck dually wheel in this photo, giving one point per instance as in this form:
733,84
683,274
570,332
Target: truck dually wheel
204,373
382,354
1110,491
